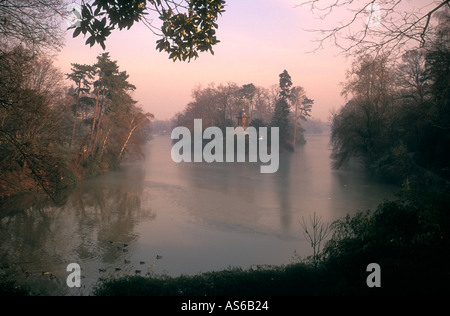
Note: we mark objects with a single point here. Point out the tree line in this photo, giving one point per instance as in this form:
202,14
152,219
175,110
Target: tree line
397,118
281,105
52,135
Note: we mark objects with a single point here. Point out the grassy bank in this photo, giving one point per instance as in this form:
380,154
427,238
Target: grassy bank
262,280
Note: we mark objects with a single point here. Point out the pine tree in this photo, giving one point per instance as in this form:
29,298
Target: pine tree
81,75
282,109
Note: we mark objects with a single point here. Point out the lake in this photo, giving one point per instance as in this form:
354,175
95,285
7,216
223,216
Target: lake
158,217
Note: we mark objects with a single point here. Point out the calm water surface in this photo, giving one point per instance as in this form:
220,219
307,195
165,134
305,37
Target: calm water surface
159,217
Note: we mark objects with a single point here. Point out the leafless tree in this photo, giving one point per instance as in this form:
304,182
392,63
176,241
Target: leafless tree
31,106
316,234
35,24
376,25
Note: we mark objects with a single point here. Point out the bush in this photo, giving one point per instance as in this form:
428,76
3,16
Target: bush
409,239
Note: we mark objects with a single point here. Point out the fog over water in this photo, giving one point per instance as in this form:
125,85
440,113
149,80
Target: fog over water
157,216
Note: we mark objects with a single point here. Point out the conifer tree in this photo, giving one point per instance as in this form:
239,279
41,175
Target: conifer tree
282,109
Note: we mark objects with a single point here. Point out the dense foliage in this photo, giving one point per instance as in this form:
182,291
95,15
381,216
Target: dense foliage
409,238
397,118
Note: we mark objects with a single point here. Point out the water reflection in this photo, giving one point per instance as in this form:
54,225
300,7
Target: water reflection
38,241
283,184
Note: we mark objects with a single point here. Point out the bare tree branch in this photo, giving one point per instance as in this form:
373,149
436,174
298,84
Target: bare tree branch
318,233
392,28
34,24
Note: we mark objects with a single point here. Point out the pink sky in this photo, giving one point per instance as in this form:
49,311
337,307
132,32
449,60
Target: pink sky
259,39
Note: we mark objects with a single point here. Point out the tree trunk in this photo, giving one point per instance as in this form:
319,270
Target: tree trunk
104,145
126,141
100,121
91,144
76,114
129,136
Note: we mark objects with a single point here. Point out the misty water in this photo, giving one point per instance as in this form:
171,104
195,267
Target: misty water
158,217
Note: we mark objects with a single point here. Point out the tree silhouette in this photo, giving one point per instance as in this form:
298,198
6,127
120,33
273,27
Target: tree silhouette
282,109
81,75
